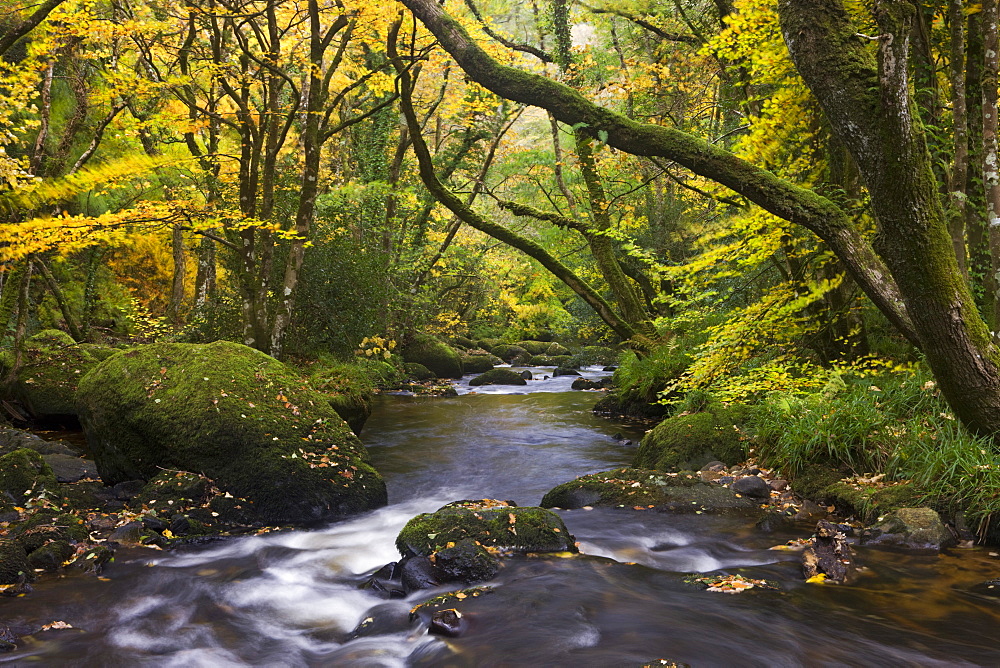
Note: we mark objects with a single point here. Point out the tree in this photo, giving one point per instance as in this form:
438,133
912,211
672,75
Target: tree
863,86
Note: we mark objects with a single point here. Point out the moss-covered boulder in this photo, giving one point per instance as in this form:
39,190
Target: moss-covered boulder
462,342
51,369
44,526
490,523
688,442
23,471
237,416
645,489
479,362
557,349
418,372
437,356
534,347
601,355
14,566
353,408
511,354
498,377
910,529
541,360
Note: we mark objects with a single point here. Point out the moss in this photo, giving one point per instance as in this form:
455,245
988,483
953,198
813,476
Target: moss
558,350
598,355
462,342
813,480
479,363
14,566
234,414
511,354
177,490
350,387
565,361
50,557
437,356
534,347
498,377
640,489
45,526
52,368
541,360
503,526
418,372
868,502
23,470
691,441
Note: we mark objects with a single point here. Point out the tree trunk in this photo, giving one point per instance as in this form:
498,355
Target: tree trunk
871,110
960,125
180,270
991,168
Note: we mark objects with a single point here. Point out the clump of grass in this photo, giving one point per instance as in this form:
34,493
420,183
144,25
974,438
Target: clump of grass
895,424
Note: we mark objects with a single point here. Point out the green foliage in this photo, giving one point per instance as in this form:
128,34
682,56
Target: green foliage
894,425
650,374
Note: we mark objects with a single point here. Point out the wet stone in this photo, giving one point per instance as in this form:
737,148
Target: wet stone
752,486
448,623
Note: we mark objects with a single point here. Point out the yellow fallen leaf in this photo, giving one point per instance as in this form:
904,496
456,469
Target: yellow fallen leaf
817,579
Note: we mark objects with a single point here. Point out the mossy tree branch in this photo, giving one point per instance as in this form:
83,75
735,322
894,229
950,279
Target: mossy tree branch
778,196
470,217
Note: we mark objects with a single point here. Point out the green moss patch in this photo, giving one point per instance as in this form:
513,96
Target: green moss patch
490,524
643,489
498,377
688,442
24,472
440,358
51,370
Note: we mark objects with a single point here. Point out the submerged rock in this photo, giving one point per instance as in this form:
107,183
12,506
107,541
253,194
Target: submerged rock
911,529
237,416
644,488
498,377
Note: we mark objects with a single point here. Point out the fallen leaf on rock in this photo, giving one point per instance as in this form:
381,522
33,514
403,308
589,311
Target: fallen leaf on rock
56,625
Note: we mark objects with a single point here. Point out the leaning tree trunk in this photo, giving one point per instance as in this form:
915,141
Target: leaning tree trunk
871,110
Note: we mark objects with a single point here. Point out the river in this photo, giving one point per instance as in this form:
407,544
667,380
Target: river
293,598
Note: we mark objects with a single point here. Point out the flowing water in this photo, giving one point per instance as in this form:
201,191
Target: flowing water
292,599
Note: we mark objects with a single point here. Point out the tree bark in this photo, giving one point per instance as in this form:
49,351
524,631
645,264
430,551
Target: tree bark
991,164
960,129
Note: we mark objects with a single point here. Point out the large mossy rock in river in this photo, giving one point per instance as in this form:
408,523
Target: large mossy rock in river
491,523
440,358
235,415
498,377
688,442
52,367
642,489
